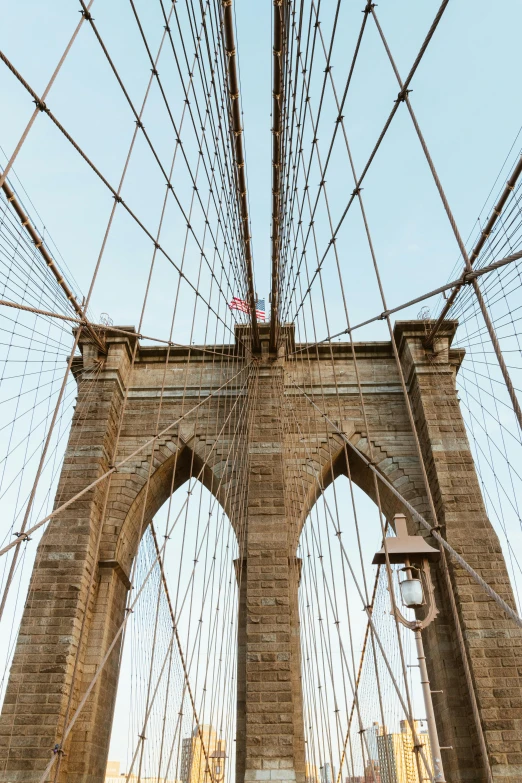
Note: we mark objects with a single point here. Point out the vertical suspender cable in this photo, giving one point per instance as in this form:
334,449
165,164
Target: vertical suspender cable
237,130
277,114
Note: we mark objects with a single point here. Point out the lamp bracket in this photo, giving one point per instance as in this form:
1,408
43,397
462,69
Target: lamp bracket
425,575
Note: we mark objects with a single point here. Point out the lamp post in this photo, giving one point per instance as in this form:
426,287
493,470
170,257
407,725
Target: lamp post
416,591
218,763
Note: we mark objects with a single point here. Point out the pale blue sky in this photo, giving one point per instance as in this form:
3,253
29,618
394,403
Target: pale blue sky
466,94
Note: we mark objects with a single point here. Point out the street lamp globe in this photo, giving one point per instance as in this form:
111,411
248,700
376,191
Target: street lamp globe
412,593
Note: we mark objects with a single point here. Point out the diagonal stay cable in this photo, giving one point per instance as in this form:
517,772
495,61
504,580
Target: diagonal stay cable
406,705
114,192
401,98
68,728
315,125
9,164
215,123
455,555
140,125
337,121
298,157
484,234
213,88
111,329
466,278
51,264
467,263
156,75
114,469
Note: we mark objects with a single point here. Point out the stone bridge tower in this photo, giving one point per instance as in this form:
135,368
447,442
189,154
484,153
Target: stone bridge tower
270,737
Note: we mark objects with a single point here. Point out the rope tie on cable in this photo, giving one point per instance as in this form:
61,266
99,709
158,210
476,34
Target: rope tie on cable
402,96
22,536
41,105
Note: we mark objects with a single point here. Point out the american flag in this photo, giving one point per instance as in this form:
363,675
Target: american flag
244,307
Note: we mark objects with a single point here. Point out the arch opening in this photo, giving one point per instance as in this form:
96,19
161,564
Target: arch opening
347,462
355,724
177,672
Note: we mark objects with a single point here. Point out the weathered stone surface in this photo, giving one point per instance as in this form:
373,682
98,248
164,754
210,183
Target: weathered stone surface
96,538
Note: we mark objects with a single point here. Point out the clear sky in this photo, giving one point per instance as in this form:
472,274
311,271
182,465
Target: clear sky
465,93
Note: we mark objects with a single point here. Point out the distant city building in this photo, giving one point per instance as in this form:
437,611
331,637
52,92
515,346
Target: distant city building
113,774
327,773
371,774
371,741
194,765
397,761
113,770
